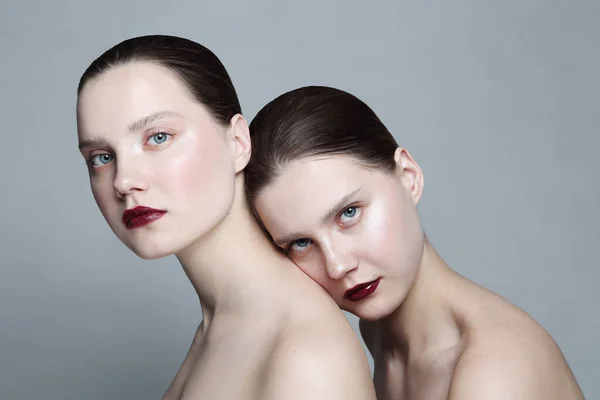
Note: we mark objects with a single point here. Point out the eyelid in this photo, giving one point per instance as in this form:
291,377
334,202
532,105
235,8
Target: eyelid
95,153
156,131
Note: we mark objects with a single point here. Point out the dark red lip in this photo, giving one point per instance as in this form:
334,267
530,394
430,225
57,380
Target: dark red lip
362,290
140,216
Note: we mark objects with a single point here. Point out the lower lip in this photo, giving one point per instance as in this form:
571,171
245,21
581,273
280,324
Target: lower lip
364,292
144,219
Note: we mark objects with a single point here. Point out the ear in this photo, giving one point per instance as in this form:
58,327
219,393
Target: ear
410,173
240,140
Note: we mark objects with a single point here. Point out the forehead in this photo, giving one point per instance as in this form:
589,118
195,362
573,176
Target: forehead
128,92
305,189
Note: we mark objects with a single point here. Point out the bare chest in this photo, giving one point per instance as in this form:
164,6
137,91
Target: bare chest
426,379
227,369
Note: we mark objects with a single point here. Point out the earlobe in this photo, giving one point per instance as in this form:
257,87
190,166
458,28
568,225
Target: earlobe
242,145
410,173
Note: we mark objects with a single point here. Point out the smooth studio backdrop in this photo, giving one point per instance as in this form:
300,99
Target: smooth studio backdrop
498,101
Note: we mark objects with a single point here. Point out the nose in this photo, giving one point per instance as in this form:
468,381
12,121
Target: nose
129,179
339,260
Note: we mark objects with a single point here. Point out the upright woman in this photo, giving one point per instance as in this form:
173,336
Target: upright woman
161,128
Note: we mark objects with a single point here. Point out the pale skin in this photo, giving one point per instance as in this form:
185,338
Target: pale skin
269,332
433,334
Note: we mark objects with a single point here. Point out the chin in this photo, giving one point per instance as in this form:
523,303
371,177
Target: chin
371,315
149,252
372,311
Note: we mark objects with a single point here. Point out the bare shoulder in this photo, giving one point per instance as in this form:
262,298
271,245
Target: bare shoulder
176,387
315,361
515,359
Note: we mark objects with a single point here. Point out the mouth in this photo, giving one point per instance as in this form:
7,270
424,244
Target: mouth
140,216
362,290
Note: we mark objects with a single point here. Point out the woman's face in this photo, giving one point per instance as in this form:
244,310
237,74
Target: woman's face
161,168
352,229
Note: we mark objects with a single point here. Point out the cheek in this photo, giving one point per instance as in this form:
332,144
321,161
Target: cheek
393,237
314,266
201,175
111,210
311,270
104,195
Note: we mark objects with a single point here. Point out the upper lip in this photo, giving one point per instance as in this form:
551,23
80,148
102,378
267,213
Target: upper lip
132,213
358,288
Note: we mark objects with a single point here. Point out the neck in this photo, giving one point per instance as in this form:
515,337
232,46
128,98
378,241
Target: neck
425,322
230,266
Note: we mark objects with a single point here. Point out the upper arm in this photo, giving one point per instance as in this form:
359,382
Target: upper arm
489,379
511,373
318,369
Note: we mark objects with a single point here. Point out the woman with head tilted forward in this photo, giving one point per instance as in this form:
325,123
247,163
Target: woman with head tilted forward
161,129
339,197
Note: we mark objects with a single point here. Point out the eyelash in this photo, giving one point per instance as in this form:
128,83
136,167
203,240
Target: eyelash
169,136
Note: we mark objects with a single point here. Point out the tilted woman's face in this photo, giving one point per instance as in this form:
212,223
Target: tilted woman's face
161,168
352,229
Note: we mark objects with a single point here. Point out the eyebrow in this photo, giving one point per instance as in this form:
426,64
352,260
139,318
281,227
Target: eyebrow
143,122
95,142
342,203
327,216
136,126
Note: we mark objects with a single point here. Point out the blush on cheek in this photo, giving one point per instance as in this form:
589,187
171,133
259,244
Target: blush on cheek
199,180
381,232
393,237
187,174
189,167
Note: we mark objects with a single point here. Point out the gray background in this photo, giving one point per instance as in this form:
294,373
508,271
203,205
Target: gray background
497,100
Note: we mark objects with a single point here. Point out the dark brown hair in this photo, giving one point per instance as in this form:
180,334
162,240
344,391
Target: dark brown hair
196,66
315,121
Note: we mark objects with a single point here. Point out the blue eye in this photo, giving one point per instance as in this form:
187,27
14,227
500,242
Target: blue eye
349,216
349,212
299,245
158,138
101,159
302,243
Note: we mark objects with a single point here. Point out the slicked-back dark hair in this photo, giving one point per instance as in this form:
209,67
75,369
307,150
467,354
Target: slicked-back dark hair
315,121
196,66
